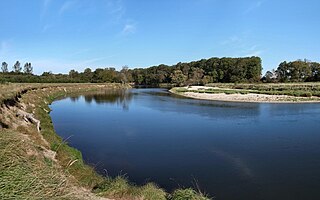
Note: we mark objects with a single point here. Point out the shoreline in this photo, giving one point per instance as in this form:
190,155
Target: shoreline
198,92
56,160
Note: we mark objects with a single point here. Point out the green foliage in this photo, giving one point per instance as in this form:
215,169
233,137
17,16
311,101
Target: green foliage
296,71
4,67
224,70
178,77
26,176
28,69
200,72
205,71
151,191
187,194
17,67
315,70
119,187
181,89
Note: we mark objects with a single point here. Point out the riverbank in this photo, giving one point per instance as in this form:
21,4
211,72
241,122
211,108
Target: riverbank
266,93
37,164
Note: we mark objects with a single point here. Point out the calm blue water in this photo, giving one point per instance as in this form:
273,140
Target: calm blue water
230,150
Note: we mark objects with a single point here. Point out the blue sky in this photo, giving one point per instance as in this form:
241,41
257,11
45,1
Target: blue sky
59,35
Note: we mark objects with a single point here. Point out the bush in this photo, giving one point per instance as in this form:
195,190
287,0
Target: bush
307,94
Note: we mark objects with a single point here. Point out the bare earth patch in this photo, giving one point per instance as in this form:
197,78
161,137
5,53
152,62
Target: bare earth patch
238,97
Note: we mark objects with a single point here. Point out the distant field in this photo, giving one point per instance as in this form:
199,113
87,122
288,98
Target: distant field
11,90
7,91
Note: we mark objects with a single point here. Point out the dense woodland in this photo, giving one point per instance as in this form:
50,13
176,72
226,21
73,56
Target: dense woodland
296,71
213,70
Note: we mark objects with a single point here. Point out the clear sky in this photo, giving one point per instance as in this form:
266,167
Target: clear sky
59,35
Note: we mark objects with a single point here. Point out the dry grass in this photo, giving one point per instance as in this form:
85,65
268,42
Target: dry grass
12,90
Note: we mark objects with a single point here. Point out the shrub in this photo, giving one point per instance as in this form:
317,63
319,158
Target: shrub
307,94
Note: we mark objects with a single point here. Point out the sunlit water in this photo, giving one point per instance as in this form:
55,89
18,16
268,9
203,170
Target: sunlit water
229,150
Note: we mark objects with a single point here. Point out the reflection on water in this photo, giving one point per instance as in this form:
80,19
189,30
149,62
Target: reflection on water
161,100
232,150
119,97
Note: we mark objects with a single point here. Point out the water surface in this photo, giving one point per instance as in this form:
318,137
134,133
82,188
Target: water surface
235,151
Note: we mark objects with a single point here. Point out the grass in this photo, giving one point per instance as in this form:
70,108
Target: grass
290,89
37,177
25,175
187,194
119,187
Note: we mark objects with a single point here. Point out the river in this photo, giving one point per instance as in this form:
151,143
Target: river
231,151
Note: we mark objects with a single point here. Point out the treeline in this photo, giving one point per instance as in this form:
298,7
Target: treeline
213,70
16,68
107,75
296,71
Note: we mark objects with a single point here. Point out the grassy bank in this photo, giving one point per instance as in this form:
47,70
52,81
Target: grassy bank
42,166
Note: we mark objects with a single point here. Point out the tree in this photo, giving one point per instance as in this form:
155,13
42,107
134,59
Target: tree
47,73
315,71
138,76
4,67
207,79
87,71
253,69
124,74
109,75
196,75
283,71
16,67
87,75
28,69
73,73
297,71
203,71
178,77
270,77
